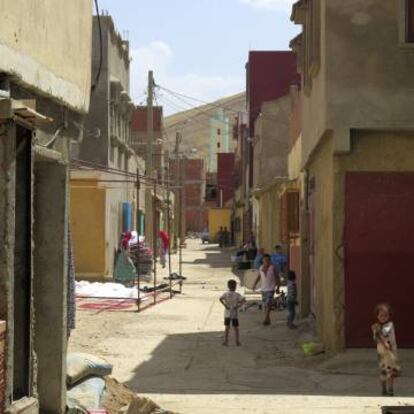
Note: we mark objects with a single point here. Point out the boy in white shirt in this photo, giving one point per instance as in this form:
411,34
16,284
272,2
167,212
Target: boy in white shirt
232,301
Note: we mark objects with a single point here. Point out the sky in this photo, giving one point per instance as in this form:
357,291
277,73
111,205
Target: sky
198,47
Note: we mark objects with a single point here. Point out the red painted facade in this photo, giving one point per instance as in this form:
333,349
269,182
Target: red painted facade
225,177
379,253
139,118
269,76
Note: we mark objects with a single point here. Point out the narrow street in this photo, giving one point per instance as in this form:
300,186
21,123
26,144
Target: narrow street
172,353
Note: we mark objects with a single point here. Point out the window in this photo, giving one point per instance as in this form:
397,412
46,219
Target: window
290,214
409,12
219,131
119,159
111,153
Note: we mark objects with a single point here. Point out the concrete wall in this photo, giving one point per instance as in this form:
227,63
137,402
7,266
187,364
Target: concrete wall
375,73
269,219
42,43
313,105
360,84
271,142
321,169
295,160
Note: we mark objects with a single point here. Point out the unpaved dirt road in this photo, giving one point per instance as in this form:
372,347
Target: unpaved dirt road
172,353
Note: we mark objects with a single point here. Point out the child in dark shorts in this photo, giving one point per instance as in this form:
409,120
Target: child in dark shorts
232,301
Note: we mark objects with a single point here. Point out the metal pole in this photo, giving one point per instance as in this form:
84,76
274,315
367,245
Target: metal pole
149,161
169,228
138,231
177,192
180,217
154,239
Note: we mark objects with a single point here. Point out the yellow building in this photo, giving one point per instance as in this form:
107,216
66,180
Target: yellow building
218,217
98,220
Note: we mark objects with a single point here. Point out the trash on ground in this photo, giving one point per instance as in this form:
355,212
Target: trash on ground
312,348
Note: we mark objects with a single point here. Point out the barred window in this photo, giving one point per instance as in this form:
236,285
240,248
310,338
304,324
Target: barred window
409,21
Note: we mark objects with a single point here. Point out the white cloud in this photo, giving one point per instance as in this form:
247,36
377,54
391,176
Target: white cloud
158,56
285,5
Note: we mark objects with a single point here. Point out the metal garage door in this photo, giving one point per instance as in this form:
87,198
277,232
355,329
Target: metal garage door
379,253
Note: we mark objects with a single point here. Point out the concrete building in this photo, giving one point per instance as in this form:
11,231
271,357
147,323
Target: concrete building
194,194
196,127
139,137
160,166
103,202
218,138
240,218
45,85
195,211
270,149
357,145
269,76
225,178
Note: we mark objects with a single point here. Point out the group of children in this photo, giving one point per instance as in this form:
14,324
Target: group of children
270,283
383,329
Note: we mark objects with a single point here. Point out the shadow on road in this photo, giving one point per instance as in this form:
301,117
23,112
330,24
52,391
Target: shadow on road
197,363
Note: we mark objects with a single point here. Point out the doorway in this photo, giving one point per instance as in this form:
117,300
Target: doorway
22,265
379,248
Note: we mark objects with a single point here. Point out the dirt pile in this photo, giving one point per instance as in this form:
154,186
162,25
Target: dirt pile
118,398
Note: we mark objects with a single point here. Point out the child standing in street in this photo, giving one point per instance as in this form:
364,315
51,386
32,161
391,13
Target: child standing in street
292,296
232,301
384,337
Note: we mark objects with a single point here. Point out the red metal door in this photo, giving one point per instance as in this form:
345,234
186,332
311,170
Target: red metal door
379,253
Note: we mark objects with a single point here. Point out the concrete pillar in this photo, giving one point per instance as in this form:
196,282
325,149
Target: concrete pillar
50,283
7,227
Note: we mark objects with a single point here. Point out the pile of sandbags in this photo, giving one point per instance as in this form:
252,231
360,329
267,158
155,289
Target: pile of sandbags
92,390
85,381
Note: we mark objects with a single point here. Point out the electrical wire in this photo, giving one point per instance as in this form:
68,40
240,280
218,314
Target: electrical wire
228,108
180,96
100,167
98,74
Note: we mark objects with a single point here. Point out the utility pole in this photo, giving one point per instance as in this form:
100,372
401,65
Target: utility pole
177,232
154,238
149,233
138,226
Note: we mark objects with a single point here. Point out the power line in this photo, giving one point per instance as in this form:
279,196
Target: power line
224,107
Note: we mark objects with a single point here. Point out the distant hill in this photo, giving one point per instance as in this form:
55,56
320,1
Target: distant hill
194,123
